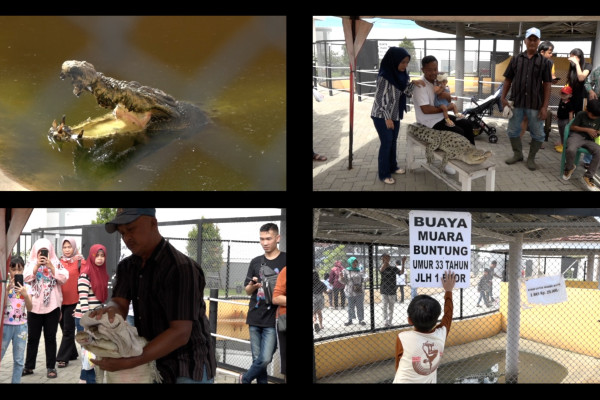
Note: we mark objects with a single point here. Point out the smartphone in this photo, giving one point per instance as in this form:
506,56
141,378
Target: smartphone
18,279
44,252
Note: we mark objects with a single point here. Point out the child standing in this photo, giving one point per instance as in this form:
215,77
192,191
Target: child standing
93,292
419,351
18,304
564,114
584,129
441,86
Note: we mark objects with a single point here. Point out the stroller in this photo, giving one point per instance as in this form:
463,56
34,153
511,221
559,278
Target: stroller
484,107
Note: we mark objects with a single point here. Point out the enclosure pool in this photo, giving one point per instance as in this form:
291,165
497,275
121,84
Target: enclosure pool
232,67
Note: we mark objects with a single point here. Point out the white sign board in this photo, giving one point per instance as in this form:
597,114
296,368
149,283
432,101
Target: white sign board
439,241
546,290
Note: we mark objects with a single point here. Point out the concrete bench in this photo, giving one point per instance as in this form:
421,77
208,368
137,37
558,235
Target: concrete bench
466,172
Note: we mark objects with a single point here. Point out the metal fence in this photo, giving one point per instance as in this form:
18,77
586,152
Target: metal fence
224,254
498,334
331,68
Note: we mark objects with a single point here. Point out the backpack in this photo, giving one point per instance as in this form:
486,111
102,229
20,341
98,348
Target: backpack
268,279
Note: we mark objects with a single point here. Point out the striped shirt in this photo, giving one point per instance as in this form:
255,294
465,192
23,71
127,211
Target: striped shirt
169,287
87,298
527,76
386,102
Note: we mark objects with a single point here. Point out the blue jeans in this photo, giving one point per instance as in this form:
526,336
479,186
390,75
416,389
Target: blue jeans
185,379
357,302
413,292
514,124
18,335
387,162
263,343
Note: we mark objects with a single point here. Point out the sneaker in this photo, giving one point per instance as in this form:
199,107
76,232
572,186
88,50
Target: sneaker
241,378
449,170
567,174
348,323
362,323
317,328
478,305
589,184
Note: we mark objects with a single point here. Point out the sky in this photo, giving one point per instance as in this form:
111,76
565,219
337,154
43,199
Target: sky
387,28
229,231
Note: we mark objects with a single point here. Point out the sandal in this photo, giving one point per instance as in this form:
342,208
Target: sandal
389,181
400,171
62,364
51,373
449,122
27,371
318,157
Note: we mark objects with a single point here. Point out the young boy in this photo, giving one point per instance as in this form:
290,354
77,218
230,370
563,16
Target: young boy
584,129
564,114
419,351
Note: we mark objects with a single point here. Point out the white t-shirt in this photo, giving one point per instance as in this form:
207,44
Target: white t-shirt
401,279
421,357
423,96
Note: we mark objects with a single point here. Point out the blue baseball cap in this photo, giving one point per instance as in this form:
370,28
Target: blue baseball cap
533,31
126,216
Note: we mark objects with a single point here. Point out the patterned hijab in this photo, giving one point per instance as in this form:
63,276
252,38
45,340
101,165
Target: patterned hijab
97,273
44,281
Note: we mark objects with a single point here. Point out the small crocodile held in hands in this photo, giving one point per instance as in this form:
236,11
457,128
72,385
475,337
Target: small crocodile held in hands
452,144
136,108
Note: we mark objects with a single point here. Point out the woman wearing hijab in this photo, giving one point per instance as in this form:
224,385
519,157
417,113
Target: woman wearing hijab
93,292
45,274
71,261
353,278
388,109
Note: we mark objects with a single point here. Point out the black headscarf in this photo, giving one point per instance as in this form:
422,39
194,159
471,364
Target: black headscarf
389,67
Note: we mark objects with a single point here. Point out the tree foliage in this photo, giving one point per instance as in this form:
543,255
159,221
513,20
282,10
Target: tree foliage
104,215
212,248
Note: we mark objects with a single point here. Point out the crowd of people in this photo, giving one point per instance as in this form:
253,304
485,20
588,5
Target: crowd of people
46,292
341,285
163,287
526,93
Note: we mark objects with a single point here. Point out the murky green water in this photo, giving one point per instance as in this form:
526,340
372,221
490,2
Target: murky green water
491,367
234,68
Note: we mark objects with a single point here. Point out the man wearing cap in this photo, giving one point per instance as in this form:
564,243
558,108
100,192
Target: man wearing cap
529,76
166,289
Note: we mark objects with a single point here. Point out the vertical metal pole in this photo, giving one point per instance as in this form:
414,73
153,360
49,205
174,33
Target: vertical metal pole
212,315
514,310
460,64
371,290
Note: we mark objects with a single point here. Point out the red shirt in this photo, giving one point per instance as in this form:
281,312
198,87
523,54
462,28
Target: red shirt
69,289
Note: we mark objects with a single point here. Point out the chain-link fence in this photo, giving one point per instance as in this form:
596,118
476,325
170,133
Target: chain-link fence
224,252
500,332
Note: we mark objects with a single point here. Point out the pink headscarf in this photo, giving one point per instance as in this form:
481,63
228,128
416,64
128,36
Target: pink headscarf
38,286
43,243
97,273
75,249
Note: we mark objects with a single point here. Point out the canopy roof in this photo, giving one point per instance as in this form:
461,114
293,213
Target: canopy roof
386,226
553,27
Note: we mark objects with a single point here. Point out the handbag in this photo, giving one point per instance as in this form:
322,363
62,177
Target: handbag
281,320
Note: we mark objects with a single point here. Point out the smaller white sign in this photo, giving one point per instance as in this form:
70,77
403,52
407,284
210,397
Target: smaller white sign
546,290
